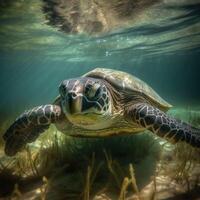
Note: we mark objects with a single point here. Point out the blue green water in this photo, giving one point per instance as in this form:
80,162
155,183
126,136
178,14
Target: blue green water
162,48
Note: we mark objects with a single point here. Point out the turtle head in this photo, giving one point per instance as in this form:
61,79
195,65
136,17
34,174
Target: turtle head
86,102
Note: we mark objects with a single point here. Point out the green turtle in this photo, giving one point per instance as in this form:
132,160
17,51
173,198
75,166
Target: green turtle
103,102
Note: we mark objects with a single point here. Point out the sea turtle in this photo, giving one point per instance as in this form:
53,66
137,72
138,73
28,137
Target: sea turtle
101,103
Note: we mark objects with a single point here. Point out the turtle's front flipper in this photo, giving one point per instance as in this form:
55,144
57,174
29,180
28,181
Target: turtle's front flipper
163,125
27,127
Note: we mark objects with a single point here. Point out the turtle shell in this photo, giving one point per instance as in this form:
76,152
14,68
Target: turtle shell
124,81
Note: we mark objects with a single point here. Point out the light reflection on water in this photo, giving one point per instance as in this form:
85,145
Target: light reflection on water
162,48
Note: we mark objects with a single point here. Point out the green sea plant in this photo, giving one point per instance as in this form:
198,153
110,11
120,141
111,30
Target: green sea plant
97,165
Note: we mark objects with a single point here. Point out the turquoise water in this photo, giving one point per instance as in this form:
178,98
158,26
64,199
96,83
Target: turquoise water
162,48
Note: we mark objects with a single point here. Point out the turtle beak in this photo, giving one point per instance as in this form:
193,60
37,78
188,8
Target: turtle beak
74,99
74,103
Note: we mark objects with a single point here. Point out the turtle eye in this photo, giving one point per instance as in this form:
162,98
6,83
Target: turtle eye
62,90
92,91
98,91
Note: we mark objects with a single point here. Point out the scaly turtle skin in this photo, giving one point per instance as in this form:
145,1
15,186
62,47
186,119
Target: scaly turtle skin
101,103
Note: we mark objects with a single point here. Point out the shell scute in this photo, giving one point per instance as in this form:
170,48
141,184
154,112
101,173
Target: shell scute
129,83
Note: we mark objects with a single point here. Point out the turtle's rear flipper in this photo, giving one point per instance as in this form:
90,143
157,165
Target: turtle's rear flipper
28,126
163,125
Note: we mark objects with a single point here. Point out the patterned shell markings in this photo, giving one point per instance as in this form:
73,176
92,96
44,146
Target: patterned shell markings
129,83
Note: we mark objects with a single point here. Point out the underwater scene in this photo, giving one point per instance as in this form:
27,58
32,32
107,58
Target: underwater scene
100,100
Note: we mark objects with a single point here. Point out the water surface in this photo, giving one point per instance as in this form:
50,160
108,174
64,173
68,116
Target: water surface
162,47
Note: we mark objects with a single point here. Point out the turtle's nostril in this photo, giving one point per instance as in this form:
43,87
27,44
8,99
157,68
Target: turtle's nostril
71,95
74,95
